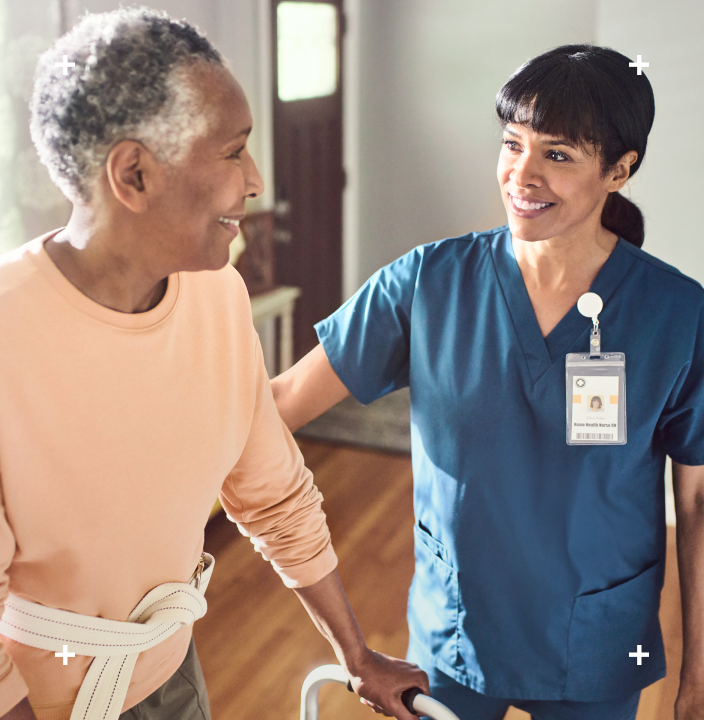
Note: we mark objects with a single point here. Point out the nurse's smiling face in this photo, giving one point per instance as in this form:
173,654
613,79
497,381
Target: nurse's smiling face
552,188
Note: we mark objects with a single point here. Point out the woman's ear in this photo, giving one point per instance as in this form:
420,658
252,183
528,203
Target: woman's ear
131,169
622,171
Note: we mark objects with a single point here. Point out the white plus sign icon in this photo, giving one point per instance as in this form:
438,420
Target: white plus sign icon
640,654
66,65
637,64
66,655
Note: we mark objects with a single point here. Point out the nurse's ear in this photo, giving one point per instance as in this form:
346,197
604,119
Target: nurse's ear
619,173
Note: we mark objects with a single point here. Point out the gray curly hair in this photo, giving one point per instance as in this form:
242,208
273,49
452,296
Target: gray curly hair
129,83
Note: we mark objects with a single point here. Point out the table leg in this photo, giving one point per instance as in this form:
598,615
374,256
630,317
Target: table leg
286,339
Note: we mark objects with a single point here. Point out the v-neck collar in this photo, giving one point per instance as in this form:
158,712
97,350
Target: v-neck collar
540,353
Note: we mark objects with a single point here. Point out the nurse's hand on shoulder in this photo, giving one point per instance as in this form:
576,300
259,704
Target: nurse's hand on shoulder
380,680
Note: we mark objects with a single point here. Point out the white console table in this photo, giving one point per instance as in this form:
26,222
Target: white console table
278,303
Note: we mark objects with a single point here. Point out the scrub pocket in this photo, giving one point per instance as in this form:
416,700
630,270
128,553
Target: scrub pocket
433,602
608,625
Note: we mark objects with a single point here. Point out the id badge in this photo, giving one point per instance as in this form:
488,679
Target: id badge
596,399
596,387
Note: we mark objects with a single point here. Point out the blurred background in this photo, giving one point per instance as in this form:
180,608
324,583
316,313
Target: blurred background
374,132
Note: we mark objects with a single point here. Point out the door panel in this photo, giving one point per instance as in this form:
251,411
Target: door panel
309,180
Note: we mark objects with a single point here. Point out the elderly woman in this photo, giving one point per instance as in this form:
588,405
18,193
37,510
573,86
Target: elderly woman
133,392
539,561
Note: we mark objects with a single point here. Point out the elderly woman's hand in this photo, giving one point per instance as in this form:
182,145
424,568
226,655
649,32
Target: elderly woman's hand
380,681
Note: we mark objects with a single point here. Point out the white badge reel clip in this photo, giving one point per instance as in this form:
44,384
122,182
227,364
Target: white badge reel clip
596,387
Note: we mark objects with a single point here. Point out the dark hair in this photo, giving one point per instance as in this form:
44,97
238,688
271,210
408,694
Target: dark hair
589,95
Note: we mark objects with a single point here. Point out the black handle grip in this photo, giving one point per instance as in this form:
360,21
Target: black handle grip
409,696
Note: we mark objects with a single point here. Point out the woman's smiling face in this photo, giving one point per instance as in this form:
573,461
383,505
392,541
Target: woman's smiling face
551,188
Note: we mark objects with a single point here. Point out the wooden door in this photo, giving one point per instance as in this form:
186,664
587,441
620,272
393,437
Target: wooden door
308,172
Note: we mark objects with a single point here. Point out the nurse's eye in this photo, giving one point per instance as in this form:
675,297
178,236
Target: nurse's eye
558,156
510,144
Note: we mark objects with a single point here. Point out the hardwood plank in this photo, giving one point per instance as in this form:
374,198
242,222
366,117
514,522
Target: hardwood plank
256,643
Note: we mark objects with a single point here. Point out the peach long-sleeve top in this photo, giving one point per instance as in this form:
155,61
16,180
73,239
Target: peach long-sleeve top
117,433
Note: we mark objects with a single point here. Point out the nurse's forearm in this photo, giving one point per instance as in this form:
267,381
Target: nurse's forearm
307,390
689,502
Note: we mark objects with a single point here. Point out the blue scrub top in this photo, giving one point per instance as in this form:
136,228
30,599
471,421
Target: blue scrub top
539,565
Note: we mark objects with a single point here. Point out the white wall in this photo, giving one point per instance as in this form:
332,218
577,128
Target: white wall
429,141
668,188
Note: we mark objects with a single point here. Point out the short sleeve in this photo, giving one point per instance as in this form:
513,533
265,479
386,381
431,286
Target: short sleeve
367,340
681,423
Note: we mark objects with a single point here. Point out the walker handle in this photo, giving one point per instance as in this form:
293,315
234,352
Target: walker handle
413,698
409,696
424,706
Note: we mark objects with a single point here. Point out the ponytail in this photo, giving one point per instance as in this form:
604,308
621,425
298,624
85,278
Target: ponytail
623,217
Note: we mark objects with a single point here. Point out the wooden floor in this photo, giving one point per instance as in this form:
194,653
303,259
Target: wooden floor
256,643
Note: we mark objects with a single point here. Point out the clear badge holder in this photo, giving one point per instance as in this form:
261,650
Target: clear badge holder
596,388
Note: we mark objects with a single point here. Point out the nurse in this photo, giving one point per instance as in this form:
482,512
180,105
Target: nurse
539,563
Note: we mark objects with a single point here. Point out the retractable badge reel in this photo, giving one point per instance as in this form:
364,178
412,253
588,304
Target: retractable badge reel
596,387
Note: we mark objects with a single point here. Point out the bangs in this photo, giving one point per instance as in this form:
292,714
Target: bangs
560,99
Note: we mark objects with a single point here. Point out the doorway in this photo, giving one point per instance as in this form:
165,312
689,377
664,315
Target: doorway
309,177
